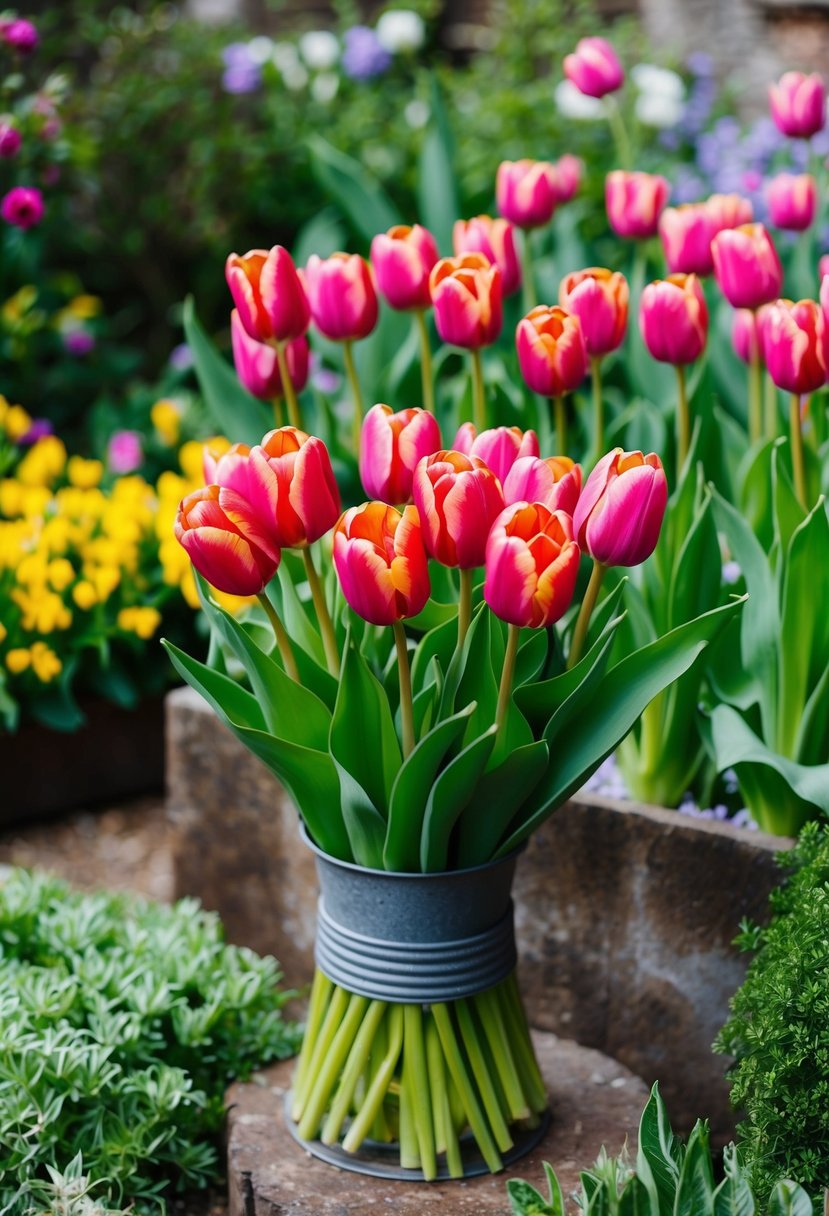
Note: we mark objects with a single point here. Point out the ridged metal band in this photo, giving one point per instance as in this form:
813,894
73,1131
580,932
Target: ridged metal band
414,972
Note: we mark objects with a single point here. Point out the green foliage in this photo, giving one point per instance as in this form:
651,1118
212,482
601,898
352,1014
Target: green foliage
122,1023
669,1178
779,1028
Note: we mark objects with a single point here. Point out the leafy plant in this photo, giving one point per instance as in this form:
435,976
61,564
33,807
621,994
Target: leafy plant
779,1027
668,1178
122,1023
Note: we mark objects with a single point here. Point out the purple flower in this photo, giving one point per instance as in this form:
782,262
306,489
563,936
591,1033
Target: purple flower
40,428
363,56
700,63
22,207
10,140
78,342
20,34
125,453
181,357
242,74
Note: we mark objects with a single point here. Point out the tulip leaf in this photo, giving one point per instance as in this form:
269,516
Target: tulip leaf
804,628
697,574
659,1157
364,824
323,234
427,700
353,188
411,791
438,643
448,798
532,656
230,700
363,740
231,407
603,720
755,483
283,594
813,729
498,796
539,700
574,694
483,655
788,513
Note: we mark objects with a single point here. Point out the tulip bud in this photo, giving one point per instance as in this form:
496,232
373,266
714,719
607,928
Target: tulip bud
673,319
634,202
793,341
532,563
599,298
686,233
402,259
552,353
458,498
747,266
527,191
554,481
291,487
381,562
499,447
257,366
342,296
568,177
620,511
268,294
495,239
224,543
744,334
594,68
391,445
466,293
792,201
728,211
798,104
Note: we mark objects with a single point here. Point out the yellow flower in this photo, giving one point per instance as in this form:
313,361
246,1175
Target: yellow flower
188,587
141,621
18,660
233,603
4,633
45,663
191,459
61,574
32,570
36,499
83,307
166,419
104,579
43,463
11,498
84,595
16,421
85,474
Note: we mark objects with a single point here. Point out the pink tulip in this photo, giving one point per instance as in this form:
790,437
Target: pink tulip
620,511
673,319
747,266
221,468
527,191
10,141
794,345
599,298
381,562
634,202
823,268
824,307
256,363
499,448
19,34
552,353
594,68
342,296
466,293
798,104
686,233
792,201
495,239
458,498
268,294
391,445
744,334
728,211
554,481
568,177
22,207
402,259
224,543
532,563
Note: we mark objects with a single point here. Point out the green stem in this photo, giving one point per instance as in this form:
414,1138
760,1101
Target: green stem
561,425
683,419
755,399
464,605
505,688
356,395
796,435
457,1070
321,990
437,1083
519,1035
278,419
489,1012
481,1073
598,406
283,642
362,1121
354,1066
415,1049
407,1137
651,736
770,415
426,379
329,639
332,1065
585,612
619,131
333,1017
478,395
405,677
528,289
294,416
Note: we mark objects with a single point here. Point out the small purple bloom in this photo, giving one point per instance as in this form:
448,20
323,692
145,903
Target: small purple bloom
364,57
242,74
125,453
181,357
731,573
10,140
40,428
78,342
20,34
325,381
700,63
22,207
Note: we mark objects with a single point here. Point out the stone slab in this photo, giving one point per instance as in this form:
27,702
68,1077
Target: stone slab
595,1101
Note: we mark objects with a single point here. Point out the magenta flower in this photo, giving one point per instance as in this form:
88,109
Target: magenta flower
594,68
10,140
619,514
499,447
391,446
22,207
125,452
20,34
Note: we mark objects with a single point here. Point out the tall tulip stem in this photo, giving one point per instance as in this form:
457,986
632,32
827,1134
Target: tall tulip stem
426,378
405,677
478,395
278,418
585,613
505,687
560,417
796,439
329,640
356,395
464,605
770,415
755,399
294,416
683,418
619,130
283,642
598,406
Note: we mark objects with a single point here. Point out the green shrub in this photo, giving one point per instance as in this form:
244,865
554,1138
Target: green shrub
121,1024
779,1028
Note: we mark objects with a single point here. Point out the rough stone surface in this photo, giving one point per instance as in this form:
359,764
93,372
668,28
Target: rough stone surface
625,914
595,1101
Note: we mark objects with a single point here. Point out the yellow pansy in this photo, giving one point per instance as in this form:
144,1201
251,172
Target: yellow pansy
191,459
85,474
45,663
11,498
61,574
43,463
83,307
18,660
16,421
166,418
84,595
141,621
104,579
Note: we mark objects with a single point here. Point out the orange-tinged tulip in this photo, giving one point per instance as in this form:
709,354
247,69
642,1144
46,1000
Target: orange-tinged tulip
554,481
402,259
466,293
391,446
291,487
527,191
495,239
257,366
599,298
551,349
792,337
268,294
381,562
686,233
499,447
673,319
224,542
458,498
619,514
634,202
532,562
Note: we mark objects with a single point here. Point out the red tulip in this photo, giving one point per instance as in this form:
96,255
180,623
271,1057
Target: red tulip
342,296
257,366
599,298
289,483
686,233
391,445
551,351
268,294
554,481
495,239
594,68
532,563
793,340
381,562
458,498
620,511
747,266
224,543
673,319
499,448
527,191
402,259
792,201
634,202
798,104
466,293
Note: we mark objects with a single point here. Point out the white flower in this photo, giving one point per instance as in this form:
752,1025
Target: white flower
658,110
284,55
320,49
400,30
294,77
260,49
574,104
416,114
324,87
651,79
